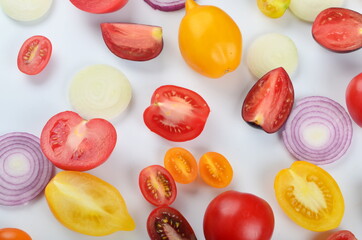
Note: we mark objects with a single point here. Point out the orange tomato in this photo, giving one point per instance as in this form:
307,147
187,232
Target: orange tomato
309,196
13,234
209,40
181,164
215,170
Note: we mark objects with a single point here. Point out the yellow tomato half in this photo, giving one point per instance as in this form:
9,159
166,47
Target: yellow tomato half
273,8
209,40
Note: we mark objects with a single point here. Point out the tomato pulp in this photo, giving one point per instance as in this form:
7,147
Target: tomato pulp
342,235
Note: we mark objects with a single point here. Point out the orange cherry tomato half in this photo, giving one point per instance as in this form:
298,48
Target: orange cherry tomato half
13,234
181,164
215,170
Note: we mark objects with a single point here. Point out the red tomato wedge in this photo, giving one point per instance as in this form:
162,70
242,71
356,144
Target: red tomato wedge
34,55
342,235
99,6
270,101
177,114
354,99
72,143
338,29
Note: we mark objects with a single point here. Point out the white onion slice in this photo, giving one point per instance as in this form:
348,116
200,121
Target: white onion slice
318,130
271,51
100,91
26,10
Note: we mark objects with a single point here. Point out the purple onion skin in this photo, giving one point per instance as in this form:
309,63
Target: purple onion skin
166,8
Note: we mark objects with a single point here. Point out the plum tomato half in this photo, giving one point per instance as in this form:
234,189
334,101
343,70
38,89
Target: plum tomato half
157,185
13,234
270,101
342,235
72,143
238,216
167,223
99,6
354,99
338,29
177,114
34,55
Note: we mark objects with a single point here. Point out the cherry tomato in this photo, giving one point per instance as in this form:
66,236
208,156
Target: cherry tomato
157,185
273,8
72,143
99,6
177,114
270,101
238,216
342,235
34,55
13,234
87,204
354,99
215,170
338,29
167,223
181,164
309,196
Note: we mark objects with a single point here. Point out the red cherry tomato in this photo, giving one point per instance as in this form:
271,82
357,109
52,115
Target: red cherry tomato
99,6
157,185
72,143
354,99
238,216
177,114
342,235
270,101
13,234
34,55
168,223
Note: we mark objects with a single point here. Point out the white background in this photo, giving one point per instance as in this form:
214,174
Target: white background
27,102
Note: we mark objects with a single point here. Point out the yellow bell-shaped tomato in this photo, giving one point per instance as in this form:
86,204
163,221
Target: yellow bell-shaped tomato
209,40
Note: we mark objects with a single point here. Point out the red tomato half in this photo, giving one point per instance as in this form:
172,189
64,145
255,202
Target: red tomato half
177,114
72,143
168,223
157,185
34,55
342,235
99,6
238,216
270,101
354,99
13,234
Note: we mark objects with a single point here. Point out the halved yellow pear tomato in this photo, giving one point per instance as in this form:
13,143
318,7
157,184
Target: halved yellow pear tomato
273,8
86,204
309,196
209,40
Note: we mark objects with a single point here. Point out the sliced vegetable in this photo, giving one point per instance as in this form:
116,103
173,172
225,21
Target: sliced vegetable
342,235
209,40
166,5
318,130
25,11
99,6
271,51
181,164
24,169
100,91
13,234
87,204
309,196
157,185
273,8
167,223
270,101
215,170
137,42
34,55
354,99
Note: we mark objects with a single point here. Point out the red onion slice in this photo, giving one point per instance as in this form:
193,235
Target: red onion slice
24,170
166,5
318,130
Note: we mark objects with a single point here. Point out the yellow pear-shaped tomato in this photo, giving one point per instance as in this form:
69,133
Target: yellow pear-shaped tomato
209,40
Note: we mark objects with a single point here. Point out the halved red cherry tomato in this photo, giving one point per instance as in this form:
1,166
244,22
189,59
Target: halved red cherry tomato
99,6
270,101
181,164
168,223
13,234
177,114
157,185
338,29
72,143
342,235
34,55
354,99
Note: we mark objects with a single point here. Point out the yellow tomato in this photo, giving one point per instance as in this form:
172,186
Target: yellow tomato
87,204
209,40
273,8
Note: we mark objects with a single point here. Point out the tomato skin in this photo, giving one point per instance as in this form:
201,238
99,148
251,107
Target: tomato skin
238,216
342,235
13,234
354,99
176,114
270,101
99,6
273,8
72,143
34,55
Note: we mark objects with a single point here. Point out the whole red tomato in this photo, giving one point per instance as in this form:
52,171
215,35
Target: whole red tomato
354,99
238,216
